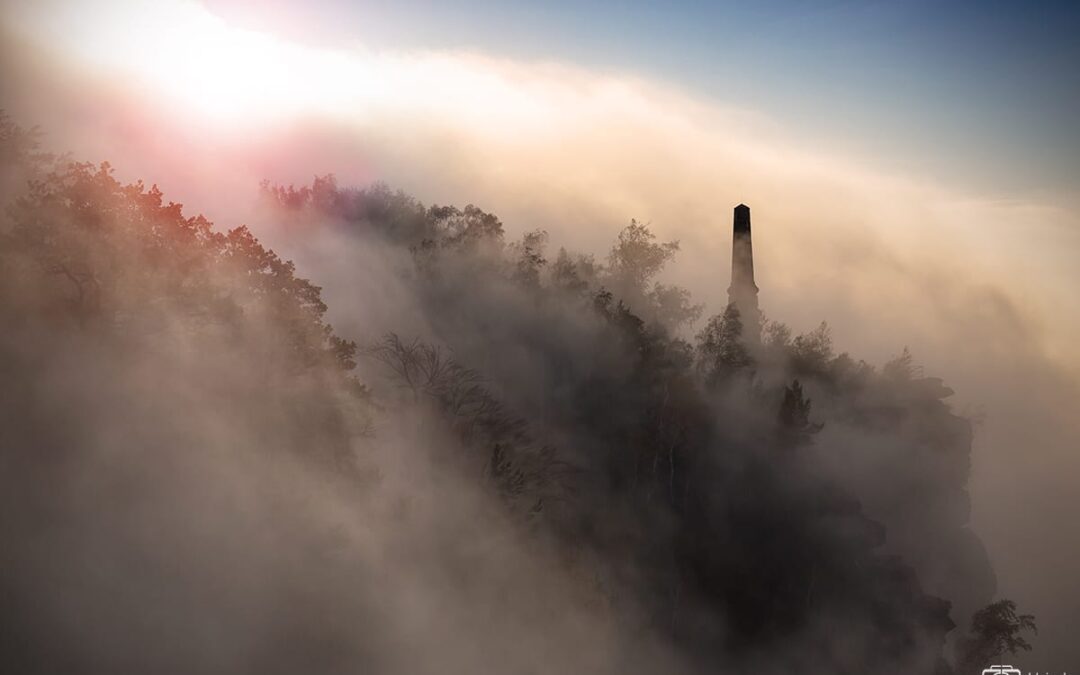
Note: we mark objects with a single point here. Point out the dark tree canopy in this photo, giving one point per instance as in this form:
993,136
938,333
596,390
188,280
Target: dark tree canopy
685,485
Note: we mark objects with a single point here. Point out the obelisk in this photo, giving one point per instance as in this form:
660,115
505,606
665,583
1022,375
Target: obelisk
743,292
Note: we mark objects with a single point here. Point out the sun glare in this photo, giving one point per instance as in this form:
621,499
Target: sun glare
198,61
199,64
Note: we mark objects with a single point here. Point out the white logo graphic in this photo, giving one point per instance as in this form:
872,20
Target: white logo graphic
1001,670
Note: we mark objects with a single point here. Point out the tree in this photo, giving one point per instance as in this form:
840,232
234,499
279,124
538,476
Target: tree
795,426
116,255
902,367
995,631
573,275
518,466
811,352
527,258
636,257
775,335
720,350
469,228
21,156
673,307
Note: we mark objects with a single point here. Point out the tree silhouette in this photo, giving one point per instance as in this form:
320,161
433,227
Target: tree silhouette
636,257
720,350
587,413
794,425
995,631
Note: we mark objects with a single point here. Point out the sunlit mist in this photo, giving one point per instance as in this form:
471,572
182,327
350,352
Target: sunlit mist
448,404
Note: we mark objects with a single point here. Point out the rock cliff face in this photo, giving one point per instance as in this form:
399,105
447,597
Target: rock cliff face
907,456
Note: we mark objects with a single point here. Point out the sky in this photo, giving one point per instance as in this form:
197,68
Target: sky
979,95
912,167
985,94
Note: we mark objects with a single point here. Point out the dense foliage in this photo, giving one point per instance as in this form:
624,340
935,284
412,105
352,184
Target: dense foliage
713,495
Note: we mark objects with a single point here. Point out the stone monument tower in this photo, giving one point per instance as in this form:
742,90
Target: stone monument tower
743,291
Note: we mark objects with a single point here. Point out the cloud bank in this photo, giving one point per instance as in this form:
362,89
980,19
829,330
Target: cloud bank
981,287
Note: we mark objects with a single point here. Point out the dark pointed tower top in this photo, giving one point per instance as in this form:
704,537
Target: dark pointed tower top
742,220
742,229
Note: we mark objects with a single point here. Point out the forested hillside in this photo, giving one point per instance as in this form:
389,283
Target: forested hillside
509,458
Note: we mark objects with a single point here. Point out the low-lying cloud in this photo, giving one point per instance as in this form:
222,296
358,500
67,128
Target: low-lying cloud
980,287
